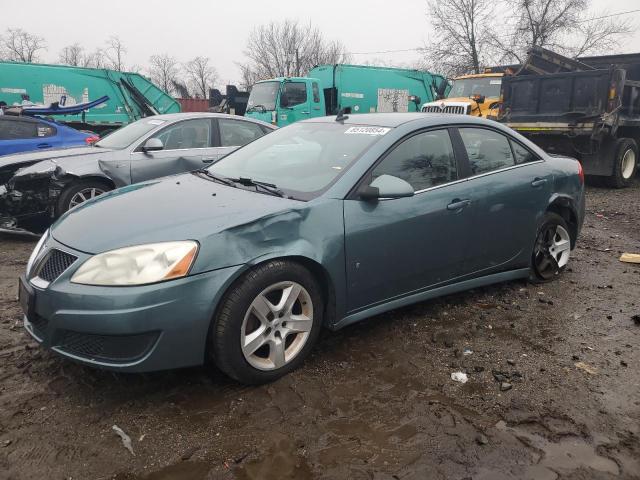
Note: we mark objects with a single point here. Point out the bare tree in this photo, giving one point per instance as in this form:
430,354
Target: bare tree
287,49
72,55
564,26
201,76
461,36
163,71
21,46
114,53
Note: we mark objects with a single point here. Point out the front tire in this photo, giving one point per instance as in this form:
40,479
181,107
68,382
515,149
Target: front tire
551,250
267,323
79,192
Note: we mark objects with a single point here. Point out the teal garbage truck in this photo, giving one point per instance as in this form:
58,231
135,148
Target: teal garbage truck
353,88
131,95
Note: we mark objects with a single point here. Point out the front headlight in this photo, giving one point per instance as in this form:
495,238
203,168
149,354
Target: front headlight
138,265
36,251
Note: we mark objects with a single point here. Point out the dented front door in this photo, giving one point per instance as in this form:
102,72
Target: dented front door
187,147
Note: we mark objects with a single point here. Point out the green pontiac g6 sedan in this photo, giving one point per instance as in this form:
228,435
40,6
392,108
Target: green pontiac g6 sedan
320,224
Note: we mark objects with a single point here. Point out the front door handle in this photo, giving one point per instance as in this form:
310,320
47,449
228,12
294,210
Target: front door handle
538,182
208,159
458,204
304,112
44,145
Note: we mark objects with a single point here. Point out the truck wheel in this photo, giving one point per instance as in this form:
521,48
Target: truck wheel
625,158
267,323
79,192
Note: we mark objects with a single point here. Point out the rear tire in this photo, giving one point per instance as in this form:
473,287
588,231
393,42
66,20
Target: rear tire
551,250
625,162
73,195
267,323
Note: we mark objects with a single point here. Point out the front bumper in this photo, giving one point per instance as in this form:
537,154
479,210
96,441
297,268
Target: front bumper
134,329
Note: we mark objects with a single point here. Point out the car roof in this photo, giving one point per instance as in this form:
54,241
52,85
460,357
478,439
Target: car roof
392,120
170,117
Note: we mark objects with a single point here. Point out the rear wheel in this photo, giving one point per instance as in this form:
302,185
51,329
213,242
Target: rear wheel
552,249
625,164
267,323
79,192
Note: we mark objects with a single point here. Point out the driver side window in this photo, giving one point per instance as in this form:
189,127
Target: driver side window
187,134
424,160
294,93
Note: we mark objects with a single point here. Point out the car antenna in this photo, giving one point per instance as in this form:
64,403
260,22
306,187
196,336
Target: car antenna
341,117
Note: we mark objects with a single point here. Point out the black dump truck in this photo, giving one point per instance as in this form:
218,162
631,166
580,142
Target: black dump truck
588,108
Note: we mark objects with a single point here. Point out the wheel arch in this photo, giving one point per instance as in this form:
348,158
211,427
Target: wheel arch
565,207
91,177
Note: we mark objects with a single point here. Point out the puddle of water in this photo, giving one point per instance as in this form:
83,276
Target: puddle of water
567,454
177,471
281,463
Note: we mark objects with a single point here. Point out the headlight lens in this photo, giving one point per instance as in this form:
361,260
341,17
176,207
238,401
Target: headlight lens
36,251
138,265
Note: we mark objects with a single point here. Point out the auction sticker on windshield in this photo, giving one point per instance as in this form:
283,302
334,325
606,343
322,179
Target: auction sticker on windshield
366,130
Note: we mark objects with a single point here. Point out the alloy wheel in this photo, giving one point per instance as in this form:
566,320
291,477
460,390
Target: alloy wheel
276,325
552,250
84,195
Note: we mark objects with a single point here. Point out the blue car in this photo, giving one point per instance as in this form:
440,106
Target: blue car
322,223
25,133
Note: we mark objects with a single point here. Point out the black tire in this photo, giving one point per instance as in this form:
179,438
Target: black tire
68,194
550,223
226,331
621,177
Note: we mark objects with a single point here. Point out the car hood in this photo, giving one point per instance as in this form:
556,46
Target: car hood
182,207
57,154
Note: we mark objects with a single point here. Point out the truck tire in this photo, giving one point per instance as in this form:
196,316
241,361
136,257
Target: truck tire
625,162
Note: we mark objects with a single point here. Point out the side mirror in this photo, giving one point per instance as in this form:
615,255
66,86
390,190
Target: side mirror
284,101
479,99
152,145
386,186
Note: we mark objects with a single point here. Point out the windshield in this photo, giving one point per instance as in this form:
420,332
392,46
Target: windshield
465,87
302,159
125,136
263,95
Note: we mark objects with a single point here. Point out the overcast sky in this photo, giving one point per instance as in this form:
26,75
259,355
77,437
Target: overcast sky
188,28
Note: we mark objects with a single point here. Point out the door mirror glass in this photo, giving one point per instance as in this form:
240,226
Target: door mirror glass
153,145
386,186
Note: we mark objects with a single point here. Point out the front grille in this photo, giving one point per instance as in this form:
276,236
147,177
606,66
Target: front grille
457,109
54,264
107,348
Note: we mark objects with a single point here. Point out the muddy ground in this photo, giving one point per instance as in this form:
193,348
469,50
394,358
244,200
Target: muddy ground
375,400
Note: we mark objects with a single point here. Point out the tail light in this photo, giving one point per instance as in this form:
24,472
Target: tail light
613,92
581,173
91,140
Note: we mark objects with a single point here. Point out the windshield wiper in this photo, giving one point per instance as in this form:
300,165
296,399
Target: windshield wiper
223,180
253,107
266,187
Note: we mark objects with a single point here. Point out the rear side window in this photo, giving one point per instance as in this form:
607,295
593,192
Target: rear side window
522,154
293,93
424,160
487,150
17,129
236,133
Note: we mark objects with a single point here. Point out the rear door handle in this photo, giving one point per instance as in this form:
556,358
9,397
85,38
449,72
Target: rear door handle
538,182
208,159
44,145
458,204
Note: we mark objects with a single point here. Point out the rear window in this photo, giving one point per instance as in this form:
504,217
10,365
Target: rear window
15,129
